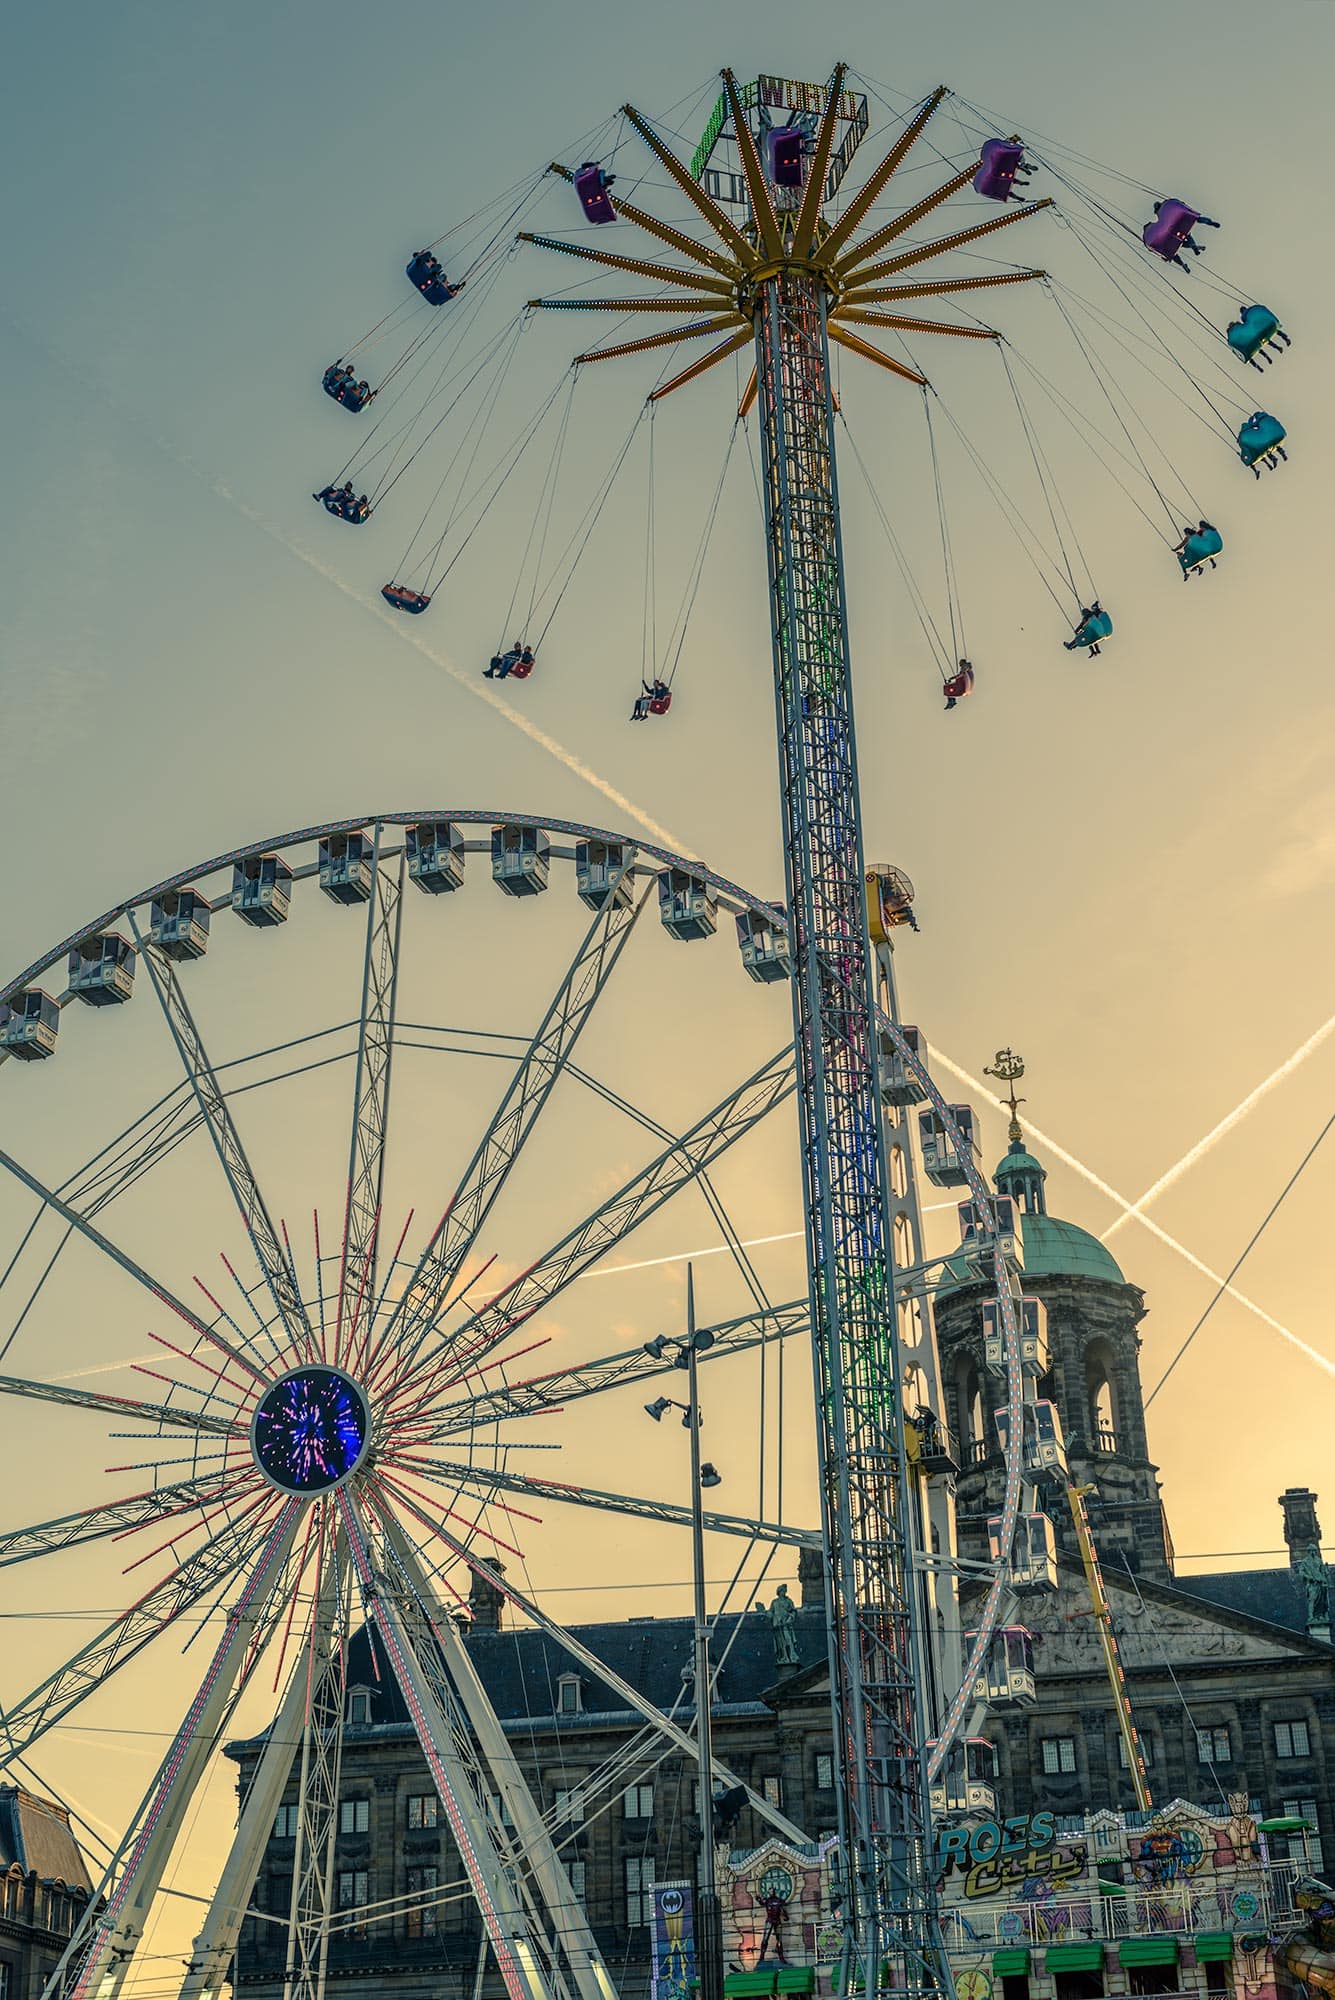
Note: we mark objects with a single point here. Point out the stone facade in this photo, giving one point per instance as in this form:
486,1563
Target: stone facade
44,1889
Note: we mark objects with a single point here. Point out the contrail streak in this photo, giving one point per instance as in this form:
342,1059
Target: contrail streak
1217,1132
719,1249
1059,1151
480,690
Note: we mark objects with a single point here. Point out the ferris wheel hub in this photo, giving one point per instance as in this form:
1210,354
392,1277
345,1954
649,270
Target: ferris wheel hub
311,1431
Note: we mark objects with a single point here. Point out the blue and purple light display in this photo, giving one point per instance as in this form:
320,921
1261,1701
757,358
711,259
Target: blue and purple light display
311,1430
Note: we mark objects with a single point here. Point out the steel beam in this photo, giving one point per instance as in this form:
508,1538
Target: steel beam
542,1395
678,1165
101,1963
357,1286
270,1252
521,1105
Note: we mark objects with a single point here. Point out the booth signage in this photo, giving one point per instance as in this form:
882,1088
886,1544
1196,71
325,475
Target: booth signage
965,1846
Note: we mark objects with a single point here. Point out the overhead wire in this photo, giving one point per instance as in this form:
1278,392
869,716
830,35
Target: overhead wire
1243,1255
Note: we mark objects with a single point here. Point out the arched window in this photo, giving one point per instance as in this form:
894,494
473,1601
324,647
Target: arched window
1100,1401
971,1412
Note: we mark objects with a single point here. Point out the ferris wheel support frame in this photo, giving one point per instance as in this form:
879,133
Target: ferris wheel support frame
100,1961
215,1943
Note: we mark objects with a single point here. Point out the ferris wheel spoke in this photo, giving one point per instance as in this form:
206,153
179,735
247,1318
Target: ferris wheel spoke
371,1100
449,1473
93,1235
100,1961
676,1167
427,1292
194,1578
543,1394
270,1252
118,1406
605,1675
117,1517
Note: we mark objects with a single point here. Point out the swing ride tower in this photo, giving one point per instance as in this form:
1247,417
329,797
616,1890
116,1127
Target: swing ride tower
787,283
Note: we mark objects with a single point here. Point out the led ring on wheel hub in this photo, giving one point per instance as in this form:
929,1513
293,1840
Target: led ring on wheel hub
311,1430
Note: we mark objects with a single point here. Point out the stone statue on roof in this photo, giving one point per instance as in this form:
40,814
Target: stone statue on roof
1315,1579
783,1625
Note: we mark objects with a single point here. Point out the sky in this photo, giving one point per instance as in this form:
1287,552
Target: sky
1124,866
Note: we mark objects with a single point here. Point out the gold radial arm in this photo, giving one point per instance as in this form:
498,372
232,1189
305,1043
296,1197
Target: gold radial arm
865,196
749,394
902,223
668,339
762,208
809,214
657,305
892,294
637,265
938,248
902,325
685,245
719,353
722,225
870,353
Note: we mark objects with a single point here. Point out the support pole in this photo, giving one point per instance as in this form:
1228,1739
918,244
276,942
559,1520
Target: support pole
875,1639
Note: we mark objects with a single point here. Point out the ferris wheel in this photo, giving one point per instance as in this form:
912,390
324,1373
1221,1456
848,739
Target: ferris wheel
330,1434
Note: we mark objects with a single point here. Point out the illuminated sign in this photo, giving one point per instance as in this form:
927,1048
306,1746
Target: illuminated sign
966,1846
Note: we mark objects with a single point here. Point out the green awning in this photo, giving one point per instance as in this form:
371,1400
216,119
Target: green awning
1087,1957
1147,1951
1012,1961
749,1985
796,1979
1290,1823
1211,1946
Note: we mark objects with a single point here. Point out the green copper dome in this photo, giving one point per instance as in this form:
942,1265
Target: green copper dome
1052,1249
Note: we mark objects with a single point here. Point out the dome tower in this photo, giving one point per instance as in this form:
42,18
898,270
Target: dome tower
1094,1378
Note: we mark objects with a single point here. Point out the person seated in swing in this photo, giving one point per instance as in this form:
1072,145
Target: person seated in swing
503,664
1198,546
958,685
1094,625
655,700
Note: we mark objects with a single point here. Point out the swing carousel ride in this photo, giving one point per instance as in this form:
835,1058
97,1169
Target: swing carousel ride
331,1440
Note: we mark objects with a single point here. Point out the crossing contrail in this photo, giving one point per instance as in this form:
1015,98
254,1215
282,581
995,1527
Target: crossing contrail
1217,1132
1129,1209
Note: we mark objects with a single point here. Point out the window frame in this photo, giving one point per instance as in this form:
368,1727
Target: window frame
1059,1748
638,1888
427,1806
1214,1731
1292,1725
354,1815
825,1770
568,1804
422,1920
632,1802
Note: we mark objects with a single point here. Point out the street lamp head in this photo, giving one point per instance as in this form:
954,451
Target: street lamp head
710,1475
704,1339
658,1408
687,1416
657,1347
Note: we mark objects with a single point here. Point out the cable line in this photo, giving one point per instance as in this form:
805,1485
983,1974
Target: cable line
1226,1281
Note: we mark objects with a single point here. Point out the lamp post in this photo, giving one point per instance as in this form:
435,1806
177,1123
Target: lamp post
708,1917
